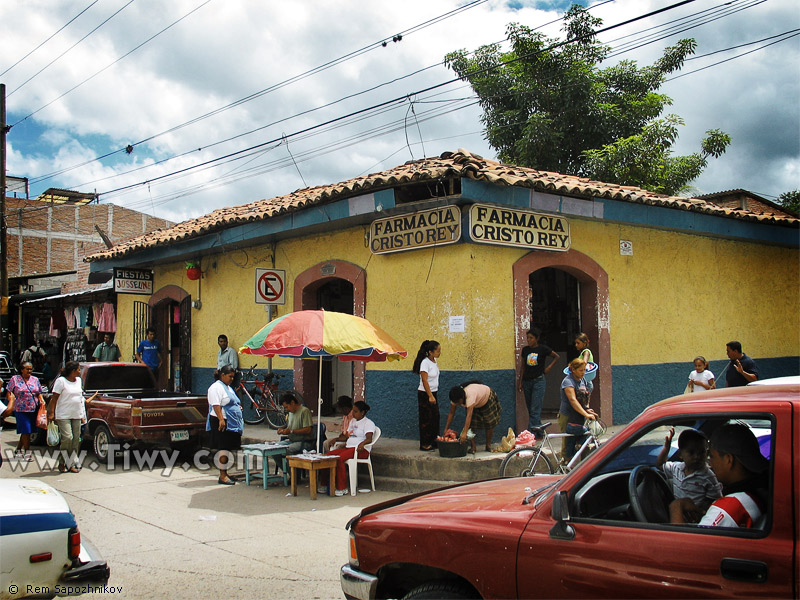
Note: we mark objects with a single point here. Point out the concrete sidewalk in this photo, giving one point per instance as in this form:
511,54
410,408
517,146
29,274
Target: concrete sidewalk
400,465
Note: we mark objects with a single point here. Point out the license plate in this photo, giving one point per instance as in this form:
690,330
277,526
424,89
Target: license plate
181,435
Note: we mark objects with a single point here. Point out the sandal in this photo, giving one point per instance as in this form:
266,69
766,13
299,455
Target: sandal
74,470
62,468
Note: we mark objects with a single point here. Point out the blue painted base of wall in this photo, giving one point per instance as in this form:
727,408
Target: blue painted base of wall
392,395
638,386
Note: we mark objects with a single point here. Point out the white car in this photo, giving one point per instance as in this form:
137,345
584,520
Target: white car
41,551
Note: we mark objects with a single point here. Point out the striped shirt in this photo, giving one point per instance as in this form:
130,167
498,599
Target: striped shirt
734,510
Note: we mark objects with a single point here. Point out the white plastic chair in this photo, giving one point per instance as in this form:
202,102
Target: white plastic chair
352,464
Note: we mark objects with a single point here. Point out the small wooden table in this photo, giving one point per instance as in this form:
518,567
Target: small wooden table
277,452
313,463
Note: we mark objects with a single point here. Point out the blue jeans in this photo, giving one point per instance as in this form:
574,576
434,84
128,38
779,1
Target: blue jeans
578,436
534,389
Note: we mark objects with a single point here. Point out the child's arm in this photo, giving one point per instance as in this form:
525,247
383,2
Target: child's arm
664,454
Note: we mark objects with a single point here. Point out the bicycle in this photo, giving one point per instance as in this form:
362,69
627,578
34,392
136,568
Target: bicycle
261,401
530,461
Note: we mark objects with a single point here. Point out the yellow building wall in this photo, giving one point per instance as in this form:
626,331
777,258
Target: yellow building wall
679,295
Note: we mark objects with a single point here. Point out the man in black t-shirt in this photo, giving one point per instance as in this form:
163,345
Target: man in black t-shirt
533,369
742,369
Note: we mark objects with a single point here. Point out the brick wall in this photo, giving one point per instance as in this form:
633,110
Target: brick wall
47,238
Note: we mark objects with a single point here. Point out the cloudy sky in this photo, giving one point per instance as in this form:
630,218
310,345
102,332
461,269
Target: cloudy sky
176,108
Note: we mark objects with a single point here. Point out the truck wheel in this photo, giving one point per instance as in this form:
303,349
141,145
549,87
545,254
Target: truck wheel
102,440
441,590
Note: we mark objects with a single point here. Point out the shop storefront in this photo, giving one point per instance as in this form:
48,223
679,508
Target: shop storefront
472,253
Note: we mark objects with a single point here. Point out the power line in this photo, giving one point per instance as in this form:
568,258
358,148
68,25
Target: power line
402,98
350,55
151,38
50,38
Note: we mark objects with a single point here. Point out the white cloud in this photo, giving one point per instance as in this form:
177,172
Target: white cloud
228,50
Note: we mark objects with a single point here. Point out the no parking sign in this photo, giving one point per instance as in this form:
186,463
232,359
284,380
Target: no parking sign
270,286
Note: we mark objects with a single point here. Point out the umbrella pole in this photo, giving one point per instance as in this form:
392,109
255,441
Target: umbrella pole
319,404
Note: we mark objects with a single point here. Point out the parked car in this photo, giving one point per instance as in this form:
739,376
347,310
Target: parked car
130,409
42,553
602,531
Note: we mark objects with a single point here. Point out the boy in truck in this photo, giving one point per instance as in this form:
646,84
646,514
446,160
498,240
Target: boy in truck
690,476
739,465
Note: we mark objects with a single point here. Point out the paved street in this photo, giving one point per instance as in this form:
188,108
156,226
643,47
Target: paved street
185,536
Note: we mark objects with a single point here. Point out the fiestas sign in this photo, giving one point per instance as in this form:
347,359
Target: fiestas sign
435,227
133,281
519,228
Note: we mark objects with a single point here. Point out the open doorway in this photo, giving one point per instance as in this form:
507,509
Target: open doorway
564,293
555,309
337,376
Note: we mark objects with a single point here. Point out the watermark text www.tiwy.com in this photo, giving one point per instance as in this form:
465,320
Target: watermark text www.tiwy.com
123,458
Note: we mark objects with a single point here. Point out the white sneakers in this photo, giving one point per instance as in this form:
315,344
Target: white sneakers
323,489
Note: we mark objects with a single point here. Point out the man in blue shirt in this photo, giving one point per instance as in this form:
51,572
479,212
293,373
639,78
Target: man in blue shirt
149,352
742,369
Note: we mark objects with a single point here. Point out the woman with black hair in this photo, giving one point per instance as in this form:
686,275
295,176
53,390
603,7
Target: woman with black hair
225,423
359,434
483,410
426,366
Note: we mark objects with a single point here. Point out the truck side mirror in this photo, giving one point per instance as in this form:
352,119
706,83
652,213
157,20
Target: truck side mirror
562,530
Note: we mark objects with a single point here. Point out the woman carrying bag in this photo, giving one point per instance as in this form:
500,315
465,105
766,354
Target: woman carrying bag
25,398
68,411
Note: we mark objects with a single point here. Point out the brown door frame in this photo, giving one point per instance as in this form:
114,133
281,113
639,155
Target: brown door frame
306,285
158,301
594,316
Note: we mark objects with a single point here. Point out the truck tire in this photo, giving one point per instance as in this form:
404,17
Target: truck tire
101,440
441,591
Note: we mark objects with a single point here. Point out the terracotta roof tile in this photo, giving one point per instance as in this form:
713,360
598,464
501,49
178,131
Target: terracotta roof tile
461,163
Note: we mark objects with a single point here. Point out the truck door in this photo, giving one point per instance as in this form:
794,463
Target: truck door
612,554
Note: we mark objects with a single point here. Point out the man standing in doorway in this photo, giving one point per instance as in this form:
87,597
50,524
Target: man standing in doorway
107,351
534,367
149,352
228,356
742,369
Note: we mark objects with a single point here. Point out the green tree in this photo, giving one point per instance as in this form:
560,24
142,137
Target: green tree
790,200
548,105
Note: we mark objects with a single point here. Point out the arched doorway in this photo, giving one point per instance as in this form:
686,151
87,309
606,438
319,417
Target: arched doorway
168,311
564,293
338,286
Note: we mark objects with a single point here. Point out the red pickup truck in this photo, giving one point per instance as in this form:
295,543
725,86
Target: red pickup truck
603,530
130,409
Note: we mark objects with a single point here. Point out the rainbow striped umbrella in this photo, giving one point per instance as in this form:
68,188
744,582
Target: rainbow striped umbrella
323,334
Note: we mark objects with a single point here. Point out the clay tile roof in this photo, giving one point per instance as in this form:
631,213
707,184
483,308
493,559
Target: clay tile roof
461,163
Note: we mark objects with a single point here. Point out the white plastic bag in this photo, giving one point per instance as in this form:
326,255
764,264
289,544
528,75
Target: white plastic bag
53,436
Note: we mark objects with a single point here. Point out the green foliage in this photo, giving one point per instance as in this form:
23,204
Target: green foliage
790,200
554,109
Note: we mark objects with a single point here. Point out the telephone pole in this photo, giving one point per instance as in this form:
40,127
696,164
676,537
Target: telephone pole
3,254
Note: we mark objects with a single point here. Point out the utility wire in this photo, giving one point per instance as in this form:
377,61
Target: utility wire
151,38
19,87
422,91
50,38
304,136
318,69
381,43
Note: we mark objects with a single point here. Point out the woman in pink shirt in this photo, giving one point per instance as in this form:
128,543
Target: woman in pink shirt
483,410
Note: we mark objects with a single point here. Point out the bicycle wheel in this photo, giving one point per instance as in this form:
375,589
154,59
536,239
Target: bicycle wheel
276,416
251,414
525,462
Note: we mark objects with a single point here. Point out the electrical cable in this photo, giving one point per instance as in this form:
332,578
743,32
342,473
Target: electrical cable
64,26
151,38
